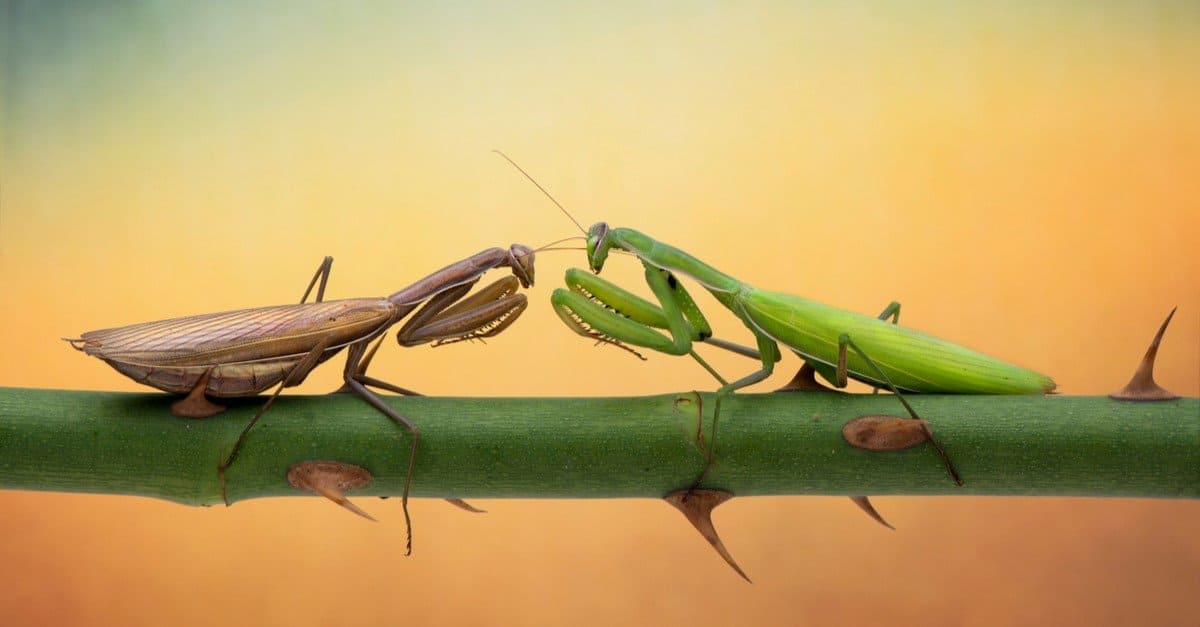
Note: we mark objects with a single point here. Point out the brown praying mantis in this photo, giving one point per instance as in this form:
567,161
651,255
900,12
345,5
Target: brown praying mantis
247,351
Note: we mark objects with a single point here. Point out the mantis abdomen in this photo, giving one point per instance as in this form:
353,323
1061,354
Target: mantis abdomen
913,360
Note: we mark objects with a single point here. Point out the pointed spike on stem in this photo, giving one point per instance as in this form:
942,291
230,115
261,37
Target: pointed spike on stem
337,497
1142,386
804,381
697,506
196,404
331,480
885,433
461,504
864,503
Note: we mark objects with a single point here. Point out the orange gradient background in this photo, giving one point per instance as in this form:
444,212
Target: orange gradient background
1024,180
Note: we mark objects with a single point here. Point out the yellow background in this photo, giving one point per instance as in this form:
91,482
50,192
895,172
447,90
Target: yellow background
1024,180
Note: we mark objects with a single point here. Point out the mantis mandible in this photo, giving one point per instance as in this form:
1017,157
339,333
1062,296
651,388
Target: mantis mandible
835,343
247,351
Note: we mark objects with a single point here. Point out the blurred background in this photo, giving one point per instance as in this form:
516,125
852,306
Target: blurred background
1022,179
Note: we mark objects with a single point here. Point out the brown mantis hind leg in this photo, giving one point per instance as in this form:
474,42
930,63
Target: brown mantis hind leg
195,404
845,343
322,273
294,377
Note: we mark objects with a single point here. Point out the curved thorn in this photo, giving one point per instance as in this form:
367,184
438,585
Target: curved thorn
697,507
330,479
864,503
804,381
1142,386
334,495
461,504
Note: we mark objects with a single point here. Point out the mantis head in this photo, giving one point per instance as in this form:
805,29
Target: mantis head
521,261
597,246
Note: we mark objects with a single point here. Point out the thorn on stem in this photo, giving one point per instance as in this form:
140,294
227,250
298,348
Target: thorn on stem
804,381
331,480
461,504
697,506
1142,386
864,503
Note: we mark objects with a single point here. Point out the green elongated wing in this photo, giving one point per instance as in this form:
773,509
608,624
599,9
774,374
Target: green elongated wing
914,361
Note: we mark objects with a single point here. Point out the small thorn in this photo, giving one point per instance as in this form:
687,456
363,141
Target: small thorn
885,433
330,480
461,504
804,381
1142,386
697,506
195,404
864,503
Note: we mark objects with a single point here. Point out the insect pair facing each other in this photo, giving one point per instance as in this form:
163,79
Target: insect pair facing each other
247,351
242,353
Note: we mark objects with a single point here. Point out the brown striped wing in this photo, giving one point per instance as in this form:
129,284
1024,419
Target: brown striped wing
244,335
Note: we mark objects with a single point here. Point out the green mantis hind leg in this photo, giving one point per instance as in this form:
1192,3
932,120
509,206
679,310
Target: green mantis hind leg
844,344
891,311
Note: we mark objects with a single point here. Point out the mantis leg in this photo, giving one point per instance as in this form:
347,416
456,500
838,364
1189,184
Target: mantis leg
448,317
294,377
891,311
845,343
600,310
322,274
769,354
864,502
360,372
805,379
358,384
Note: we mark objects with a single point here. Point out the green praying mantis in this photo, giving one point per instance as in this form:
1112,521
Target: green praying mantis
835,343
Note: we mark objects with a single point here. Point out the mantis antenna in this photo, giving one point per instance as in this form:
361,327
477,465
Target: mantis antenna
543,189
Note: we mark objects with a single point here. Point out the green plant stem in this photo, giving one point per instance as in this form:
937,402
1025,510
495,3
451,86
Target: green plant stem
783,443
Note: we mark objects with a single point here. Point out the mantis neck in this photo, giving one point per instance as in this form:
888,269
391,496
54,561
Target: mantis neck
668,257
